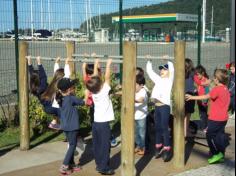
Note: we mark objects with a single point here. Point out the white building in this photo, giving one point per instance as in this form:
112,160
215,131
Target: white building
101,35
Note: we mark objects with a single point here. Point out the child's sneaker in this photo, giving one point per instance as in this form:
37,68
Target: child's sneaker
54,126
141,152
65,170
167,155
216,158
114,143
76,167
158,152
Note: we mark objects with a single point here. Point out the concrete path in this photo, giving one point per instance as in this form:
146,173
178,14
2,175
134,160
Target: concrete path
44,160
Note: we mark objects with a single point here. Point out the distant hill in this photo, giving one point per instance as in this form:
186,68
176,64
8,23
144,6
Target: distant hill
222,12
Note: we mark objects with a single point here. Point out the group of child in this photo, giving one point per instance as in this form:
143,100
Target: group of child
58,98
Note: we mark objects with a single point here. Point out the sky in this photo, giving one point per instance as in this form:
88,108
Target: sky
59,13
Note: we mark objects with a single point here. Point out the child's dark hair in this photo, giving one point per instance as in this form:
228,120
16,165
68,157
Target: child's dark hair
94,84
201,70
222,76
89,69
189,67
140,71
59,98
140,80
34,83
232,64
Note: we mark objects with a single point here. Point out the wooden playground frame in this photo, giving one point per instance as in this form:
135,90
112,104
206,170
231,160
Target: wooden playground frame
127,110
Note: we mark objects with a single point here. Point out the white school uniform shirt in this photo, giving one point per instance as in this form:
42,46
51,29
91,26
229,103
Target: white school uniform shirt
163,86
103,109
67,75
141,109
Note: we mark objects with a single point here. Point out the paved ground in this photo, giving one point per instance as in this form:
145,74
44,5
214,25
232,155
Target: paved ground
44,160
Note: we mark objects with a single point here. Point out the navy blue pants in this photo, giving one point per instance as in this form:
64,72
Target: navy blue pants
216,137
203,116
72,139
162,117
101,145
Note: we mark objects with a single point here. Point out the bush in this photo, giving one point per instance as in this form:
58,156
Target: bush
39,119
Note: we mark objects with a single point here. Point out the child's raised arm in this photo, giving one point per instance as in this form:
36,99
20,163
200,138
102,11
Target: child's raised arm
95,69
56,64
108,71
152,75
67,68
30,66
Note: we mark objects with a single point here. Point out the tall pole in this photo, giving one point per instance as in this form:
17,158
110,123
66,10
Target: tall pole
41,14
232,42
16,45
203,21
212,20
32,21
49,16
71,16
100,24
179,108
87,22
90,16
199,34
121,33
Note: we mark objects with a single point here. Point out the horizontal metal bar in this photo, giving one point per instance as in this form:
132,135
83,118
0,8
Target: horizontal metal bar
121,57
78,60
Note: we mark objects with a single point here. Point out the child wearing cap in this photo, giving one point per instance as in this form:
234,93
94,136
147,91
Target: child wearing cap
218,116
103,114
69,119
161,95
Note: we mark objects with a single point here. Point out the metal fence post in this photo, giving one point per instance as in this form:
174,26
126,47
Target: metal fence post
16,45
199,35
121,34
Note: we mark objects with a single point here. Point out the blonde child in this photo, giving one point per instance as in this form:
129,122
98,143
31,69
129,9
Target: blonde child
218,116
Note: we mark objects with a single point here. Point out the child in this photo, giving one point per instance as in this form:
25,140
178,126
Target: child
103,114
189,89
141,111
69,121
231,87
219,99
202,82
44,92
161,96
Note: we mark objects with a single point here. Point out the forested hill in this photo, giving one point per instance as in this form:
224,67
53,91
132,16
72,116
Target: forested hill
222,12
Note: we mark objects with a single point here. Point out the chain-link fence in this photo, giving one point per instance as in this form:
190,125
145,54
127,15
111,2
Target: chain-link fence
47,24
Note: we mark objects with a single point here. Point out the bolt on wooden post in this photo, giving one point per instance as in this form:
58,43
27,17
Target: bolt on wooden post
23,97
70,49
179,105
127,110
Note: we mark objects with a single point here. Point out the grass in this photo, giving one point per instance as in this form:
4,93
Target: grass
10,138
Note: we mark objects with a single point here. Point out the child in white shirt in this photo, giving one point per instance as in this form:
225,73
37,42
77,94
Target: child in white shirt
161,95
141,111
103,115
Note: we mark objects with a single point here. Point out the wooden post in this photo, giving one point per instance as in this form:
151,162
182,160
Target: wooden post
127,110
179,105
70,49
23,97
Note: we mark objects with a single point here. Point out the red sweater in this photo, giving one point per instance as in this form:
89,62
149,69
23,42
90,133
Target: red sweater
220,100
